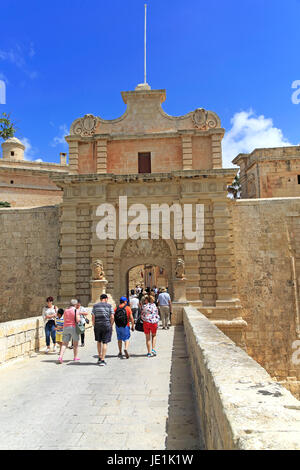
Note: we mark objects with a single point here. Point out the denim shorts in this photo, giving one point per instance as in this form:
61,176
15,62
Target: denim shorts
123,333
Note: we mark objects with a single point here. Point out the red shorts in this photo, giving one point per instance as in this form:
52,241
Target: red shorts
150,327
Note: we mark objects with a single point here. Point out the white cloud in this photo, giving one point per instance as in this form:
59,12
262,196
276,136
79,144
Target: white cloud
60,138
18,56
30,152
249,132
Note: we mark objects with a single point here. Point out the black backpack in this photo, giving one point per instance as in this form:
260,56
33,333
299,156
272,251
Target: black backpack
121,317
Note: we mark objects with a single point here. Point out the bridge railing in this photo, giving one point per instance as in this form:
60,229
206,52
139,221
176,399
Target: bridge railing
239,405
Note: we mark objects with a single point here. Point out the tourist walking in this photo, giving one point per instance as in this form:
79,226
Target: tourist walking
123,317
103,320
71,318
49,313
83,319
59,327
134,304
150,317
165,307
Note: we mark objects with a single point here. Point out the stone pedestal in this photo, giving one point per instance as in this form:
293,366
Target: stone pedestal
179,302
98,287
179,288
177,312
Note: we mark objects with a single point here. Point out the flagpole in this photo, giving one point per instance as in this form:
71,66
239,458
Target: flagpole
145,45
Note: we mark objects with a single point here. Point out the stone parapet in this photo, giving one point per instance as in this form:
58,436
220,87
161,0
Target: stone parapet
21,338
239,405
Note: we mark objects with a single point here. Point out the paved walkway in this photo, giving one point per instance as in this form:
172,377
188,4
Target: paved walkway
139,403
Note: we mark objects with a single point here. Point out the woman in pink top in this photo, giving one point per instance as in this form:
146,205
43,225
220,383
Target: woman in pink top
71,317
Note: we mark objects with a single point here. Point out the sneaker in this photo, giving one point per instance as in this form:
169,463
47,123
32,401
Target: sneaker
70,347
126,353
76,359
47,350
154,353
120,355
54,348
82,345
99,360
102,363
149,355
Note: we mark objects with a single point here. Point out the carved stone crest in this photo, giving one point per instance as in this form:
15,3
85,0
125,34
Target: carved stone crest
203,119
85,126
147,247
98,270
179,272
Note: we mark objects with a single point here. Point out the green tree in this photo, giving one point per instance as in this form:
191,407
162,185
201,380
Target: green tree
7,127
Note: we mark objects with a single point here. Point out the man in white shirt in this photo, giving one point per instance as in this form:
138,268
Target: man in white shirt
134,304
165,307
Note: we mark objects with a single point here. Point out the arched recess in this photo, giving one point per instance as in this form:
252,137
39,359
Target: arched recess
130,253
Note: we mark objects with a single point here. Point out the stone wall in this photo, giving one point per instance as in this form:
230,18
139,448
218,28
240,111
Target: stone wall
29,251
19,338
267,259
239,405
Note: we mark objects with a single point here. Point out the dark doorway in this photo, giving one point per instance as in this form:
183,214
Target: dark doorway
144,162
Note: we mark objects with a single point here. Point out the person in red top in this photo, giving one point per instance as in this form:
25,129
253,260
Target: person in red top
123,325
71,317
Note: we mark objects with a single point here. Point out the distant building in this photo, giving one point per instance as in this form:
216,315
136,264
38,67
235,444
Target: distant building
270,172
24,183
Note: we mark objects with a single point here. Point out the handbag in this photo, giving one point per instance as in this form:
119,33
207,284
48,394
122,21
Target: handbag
79,327
139,326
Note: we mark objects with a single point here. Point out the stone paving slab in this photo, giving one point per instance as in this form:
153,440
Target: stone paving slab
133,404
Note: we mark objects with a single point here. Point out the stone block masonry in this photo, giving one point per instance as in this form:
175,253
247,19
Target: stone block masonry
239,405
267,270
29,252
21,337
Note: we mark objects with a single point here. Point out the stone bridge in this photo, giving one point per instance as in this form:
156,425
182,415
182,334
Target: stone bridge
200,392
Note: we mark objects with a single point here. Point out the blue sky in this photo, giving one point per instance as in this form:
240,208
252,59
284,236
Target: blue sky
63,59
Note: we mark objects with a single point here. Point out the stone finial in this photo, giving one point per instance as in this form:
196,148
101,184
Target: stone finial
98,270
63,158
179,273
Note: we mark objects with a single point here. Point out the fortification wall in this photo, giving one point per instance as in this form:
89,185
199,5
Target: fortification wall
267,259
29,252
239,405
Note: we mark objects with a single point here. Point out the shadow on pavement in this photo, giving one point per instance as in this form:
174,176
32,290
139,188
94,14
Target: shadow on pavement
182,427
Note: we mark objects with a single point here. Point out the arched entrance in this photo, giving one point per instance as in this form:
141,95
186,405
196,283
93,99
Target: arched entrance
131,253
147,275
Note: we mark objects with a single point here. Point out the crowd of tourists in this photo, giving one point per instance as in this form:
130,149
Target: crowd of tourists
142,311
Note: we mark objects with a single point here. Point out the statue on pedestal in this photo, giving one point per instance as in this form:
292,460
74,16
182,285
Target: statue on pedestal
98,270
179,272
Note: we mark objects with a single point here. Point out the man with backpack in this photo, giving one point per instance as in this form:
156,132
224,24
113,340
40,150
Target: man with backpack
123,317
103,319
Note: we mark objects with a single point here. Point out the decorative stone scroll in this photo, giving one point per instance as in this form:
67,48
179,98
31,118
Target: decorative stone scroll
148,247
204,120
86,126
